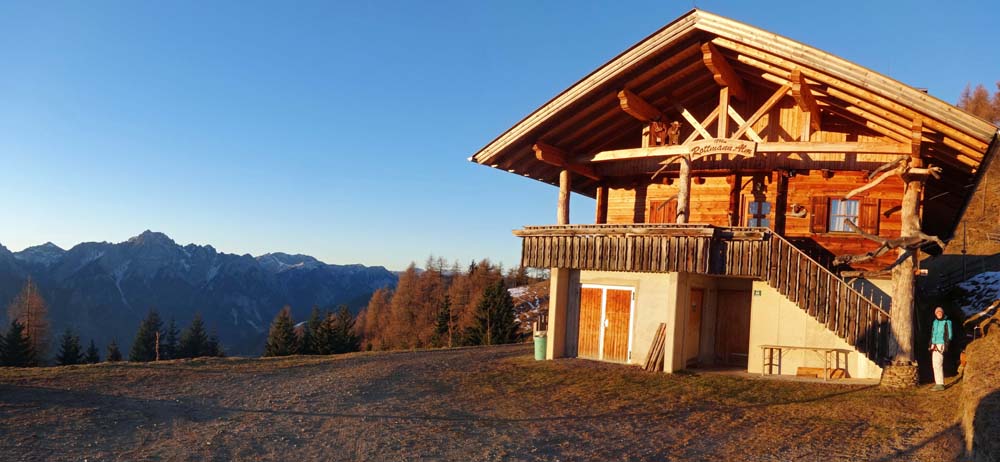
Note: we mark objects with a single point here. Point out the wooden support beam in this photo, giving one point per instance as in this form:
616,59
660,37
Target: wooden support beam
722,72
565,187
802,92
555,156
739,119
708,121
765,147
780,93
602,205
684,191
694,122
723,125
637,107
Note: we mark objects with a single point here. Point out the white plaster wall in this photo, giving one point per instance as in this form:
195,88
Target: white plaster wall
655,302
776,320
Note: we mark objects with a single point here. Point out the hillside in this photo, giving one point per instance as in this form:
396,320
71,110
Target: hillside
491,403
102,290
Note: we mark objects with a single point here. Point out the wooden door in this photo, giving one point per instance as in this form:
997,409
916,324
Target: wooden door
617,319
692,335
588,344
732,327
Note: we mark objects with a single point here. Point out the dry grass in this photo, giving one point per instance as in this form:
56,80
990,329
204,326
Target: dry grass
472,404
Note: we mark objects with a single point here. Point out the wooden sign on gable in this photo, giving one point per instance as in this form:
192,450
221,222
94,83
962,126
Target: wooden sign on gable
723,146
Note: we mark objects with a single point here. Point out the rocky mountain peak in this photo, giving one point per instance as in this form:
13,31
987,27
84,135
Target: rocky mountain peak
152,238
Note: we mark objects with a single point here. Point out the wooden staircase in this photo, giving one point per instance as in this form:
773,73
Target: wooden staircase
823,295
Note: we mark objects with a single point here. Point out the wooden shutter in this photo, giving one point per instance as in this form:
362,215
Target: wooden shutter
820,215
663,211
868,215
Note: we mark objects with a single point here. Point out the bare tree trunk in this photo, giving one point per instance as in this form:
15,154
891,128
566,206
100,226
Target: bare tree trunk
903,278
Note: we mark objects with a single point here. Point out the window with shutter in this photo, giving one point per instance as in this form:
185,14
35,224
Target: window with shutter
840,211
757,214
868,215
818,219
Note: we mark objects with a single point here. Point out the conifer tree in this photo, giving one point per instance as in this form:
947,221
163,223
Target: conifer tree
70,351
17,350
144,347
213,347
281,340
444,324
344,339
114,354
29,309
170,346
93,356
494,317
194,340
308,344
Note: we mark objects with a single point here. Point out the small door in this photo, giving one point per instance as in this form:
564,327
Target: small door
589,345
617,317
605,323
692,335
732,327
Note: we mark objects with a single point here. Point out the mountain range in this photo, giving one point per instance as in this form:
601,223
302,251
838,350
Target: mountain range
102,290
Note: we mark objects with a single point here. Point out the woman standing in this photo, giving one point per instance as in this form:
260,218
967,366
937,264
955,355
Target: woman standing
940,336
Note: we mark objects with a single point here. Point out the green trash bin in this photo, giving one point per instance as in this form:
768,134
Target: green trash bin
539,346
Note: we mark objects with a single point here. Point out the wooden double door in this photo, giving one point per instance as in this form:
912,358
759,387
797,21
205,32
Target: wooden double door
605,331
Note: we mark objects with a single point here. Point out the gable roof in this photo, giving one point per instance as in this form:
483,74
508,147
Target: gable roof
667,67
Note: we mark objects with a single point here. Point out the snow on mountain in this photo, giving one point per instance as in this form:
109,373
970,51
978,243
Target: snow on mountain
45,254
277,262
980,291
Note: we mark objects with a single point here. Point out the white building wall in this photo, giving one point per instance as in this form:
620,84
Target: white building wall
776,320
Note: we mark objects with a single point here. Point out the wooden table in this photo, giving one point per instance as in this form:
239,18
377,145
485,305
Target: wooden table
768,357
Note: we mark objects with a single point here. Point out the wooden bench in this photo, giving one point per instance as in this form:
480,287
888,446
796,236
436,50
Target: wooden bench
831,357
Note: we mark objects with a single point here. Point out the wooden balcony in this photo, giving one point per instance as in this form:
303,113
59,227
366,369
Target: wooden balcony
651,248
722,251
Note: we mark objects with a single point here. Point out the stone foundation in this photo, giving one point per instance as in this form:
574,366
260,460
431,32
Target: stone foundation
896,376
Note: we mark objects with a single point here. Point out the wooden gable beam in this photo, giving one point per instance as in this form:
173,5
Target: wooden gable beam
802,92
637,107
722,71
780,93
555,156
765,147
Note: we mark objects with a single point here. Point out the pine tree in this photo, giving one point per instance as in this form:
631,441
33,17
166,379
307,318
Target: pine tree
69,349
213,347
445,323
114,354
308,344
17,350
29,309
281,340
144,347
344,339
170,347
494,323
194,340
93,356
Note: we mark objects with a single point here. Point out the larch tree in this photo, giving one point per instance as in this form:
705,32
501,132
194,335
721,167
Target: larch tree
979,102
70,351
281,340
29,309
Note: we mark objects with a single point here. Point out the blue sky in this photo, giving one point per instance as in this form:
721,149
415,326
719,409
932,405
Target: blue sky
342,129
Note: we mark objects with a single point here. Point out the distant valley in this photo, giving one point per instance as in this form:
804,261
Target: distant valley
102,290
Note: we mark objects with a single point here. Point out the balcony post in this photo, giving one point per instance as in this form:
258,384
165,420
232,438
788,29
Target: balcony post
562,213
559,291
684,190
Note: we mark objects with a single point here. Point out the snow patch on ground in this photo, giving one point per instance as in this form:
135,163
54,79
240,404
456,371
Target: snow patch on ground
981,290
516,292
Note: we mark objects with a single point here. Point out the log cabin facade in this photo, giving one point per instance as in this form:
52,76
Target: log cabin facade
731,167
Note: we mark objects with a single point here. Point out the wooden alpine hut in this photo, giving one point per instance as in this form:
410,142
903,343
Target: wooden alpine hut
760,202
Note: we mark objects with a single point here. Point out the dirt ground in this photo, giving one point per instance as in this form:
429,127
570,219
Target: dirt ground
471,404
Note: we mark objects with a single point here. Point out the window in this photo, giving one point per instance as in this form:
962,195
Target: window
757,213
840,211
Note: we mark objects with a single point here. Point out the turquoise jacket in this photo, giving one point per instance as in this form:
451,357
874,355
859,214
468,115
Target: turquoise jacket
941,331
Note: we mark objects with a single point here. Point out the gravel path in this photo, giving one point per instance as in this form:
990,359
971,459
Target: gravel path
465,404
